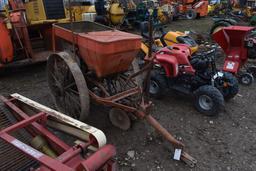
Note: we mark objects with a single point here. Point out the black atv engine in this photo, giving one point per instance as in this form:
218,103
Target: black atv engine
200,64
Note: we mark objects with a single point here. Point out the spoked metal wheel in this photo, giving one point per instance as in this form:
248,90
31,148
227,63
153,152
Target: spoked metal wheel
205,102
119,118
68,86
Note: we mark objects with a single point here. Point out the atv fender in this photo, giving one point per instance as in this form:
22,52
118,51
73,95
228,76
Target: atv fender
169,63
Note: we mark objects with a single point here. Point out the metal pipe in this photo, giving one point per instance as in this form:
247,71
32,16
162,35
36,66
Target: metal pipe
72,28
41,144
72,152
99,158
152,121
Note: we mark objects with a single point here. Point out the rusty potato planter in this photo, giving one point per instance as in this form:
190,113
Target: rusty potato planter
95,62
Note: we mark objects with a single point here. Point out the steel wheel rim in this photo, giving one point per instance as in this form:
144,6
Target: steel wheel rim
69,92
119,118
205,102
153,87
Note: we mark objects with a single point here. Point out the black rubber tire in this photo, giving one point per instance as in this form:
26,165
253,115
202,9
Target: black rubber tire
160,80
191,14
232,90
252,70
216,97
219,24
249,79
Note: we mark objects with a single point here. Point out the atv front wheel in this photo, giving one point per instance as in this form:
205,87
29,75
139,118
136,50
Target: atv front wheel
208,100
158,85
230,87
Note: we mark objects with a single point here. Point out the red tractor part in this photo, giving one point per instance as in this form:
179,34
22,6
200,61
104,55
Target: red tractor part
239,45
24,42
6,47
232,41
38,148
201,8
193,9
171,57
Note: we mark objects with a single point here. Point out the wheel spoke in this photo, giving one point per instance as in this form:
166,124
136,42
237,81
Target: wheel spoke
73,99
73,91
55,79
69,106
69,86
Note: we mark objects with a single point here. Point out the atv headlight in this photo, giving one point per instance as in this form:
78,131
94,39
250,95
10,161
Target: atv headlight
218,74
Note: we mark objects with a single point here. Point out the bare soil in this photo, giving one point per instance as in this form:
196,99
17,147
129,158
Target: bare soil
225,142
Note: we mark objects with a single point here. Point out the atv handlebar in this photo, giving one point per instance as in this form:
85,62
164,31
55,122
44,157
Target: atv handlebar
210,54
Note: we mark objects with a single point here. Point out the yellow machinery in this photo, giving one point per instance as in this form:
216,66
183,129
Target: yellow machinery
39,11
116,13
110,12
78,9
165,13
26,30
170,38
174,37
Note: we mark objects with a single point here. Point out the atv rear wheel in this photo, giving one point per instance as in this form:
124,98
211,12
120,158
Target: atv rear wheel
158,85
208,100
230,87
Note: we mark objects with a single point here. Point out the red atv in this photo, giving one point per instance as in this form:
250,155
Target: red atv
239,45
197,76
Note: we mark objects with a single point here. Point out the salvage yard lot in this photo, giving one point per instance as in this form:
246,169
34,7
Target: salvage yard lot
226,142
